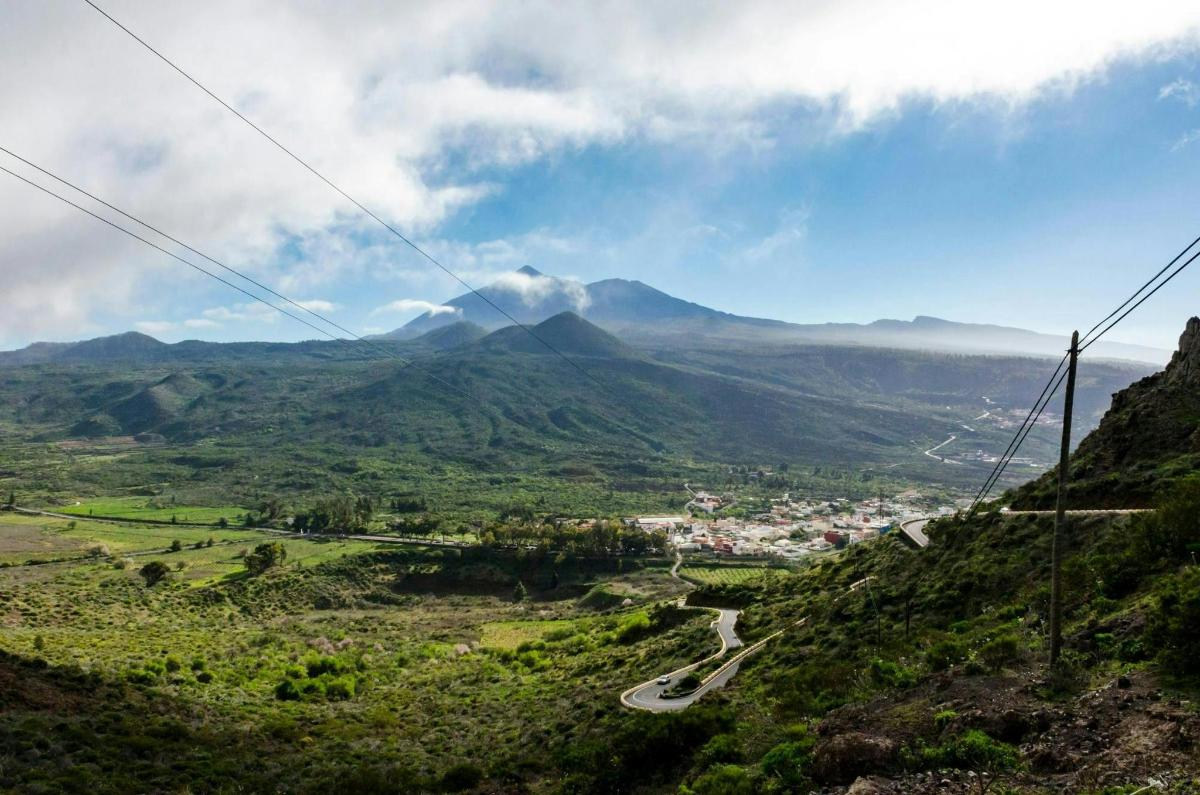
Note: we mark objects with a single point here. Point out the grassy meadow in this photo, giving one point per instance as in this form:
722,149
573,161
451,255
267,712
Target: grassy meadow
348,665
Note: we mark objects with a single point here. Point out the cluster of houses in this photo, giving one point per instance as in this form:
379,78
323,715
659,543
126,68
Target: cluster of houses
791,529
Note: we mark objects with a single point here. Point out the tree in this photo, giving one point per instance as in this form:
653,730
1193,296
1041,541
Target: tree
12,499
176,545
520,593
264,557
270,509
153,572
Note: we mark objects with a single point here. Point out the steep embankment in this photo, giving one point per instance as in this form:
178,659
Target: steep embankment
935,678
1147,441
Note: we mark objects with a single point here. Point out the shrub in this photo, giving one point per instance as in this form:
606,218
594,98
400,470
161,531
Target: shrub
788,764
943,718
944,654
889,674
341,689
1000,651
973,750
316,666
264,557
154,572
723,780
721,749
461,777
286,690
633,628
1174,629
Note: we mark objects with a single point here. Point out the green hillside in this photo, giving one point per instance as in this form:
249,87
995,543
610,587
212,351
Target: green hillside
247,420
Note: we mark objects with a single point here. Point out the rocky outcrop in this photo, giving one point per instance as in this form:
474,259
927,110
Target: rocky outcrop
1149,438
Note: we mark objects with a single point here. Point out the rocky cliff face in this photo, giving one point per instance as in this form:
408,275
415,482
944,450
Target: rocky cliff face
1149,438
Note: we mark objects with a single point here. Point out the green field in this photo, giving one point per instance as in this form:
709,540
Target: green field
154,510
190,671
729,574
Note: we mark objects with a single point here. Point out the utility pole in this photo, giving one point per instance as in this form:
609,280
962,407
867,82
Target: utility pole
1060,509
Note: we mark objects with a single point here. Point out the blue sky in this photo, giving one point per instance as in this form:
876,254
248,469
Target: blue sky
984,182
1044,217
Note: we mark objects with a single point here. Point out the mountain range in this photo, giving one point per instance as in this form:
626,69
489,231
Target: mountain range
642,315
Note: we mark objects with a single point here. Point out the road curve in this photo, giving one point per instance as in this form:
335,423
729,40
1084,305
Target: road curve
1079,512
649,695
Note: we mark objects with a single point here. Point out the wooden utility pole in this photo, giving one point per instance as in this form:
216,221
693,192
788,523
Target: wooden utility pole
1060,509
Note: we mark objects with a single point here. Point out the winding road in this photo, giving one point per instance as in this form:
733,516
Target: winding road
649,695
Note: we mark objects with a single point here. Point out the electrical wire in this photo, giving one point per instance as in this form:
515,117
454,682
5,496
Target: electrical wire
345,195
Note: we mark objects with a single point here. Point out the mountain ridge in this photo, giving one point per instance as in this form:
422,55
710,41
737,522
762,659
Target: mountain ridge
644,315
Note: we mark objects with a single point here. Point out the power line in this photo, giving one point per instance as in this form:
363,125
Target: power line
1124,315
991,479
178,242
343,193
1152,279
1026,427
1022,434
226,282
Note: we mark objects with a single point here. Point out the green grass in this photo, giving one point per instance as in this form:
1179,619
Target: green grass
511,634
153,510
432,679
728,574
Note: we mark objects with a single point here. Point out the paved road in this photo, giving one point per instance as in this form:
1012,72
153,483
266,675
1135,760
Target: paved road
930,452
915,529
1080,512
649,695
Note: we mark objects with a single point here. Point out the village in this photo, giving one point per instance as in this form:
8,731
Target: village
791,529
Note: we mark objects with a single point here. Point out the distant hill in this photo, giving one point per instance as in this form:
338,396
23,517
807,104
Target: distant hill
650,318
1149,439
567,332
455,335
131,345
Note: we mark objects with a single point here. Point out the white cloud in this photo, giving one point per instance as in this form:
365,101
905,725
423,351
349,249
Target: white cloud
533,290
408,112
784,240
253,312
1183,90
408,305
200,323
154,326
1187,139
319,305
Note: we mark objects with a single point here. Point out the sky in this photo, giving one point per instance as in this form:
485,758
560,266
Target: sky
1026,164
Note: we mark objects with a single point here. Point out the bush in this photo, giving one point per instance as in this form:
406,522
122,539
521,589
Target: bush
1000,651
341,689
788,763
633,628
461,777
889,674
154,572
720,749
944,718
316,666
286,690
973,750
945,654
723,780
264,557
1174,629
